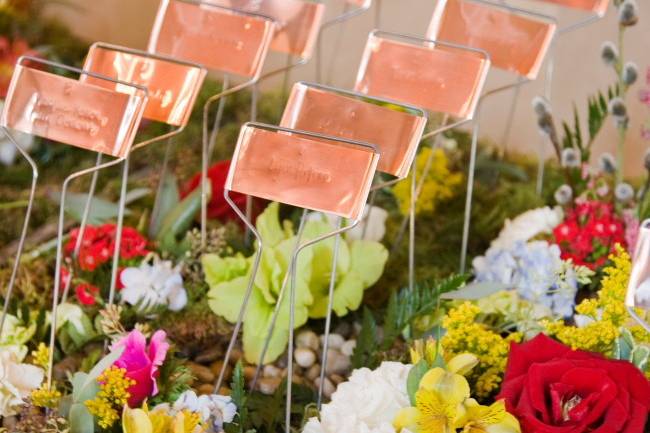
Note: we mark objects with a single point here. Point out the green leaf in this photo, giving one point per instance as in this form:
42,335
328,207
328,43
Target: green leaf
413,380
364,352
577,134
166,200
81,421
639,357
178,221
81,388
268,226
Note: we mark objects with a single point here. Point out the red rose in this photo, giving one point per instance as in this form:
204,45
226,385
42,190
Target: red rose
553,389
218,207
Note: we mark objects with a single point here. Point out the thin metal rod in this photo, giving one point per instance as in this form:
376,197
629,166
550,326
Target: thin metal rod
470,192
505,138
247,295
23,234
255,93
59,257
82,226
548,87
292,313
218,118
638,319
413,200
118,232
205,156
365,221
278,304
169,146
328,317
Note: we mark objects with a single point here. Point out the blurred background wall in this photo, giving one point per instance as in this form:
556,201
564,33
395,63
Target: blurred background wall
578,73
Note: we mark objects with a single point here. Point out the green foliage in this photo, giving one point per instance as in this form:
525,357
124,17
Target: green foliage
627,349
267,411
240,399
365,352
177,378
359,265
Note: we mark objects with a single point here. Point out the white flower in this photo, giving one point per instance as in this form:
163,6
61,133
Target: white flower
214,410
571,158
366,403
527,226
152,285
374,218
17,381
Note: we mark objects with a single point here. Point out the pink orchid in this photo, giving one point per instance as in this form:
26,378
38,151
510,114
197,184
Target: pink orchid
141,364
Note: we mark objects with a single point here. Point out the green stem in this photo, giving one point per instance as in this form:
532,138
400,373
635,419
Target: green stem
14,204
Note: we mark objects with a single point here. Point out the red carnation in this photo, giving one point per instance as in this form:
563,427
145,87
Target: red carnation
218,208
553,389
86,293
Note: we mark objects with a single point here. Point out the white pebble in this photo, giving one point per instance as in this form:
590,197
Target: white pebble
308,340
304,357
335,341
348,347
328,387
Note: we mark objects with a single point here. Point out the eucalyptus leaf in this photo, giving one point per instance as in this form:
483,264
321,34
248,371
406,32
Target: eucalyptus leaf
101,210
413,380
474,291
167,198
639,357
81,421
91,378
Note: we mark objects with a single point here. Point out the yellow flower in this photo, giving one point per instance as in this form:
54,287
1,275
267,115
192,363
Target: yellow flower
159,421
46,397
607,311
112,396
41,356
453,386
440,184
466,336
488,419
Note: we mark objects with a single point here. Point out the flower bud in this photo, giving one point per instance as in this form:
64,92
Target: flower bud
624,192
563,195
609,53
541,106
646,160
607,163
618,110
571,158
630,73
628,13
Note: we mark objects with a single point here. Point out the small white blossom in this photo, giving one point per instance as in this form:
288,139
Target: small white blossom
153,285
528,225
563,195
17,381
624,192
571,158
214,410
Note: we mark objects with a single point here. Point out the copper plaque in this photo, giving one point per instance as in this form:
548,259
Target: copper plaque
173,87
395,133
298,22
516,43
438,78
72,112
298,170
597,6
218,38
640,268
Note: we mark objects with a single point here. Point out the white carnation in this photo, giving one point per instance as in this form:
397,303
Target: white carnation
17,381
527,226
153,285
367,403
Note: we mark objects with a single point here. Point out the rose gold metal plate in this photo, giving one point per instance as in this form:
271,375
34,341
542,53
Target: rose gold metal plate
516,43
298,22
640,267
439,78
219,38
300,170
596,6
173,86
72,112
395,132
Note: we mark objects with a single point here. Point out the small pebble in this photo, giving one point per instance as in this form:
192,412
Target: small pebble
201,372
313,372
268,385
348,347
337,379
328,387
216,367
304,357
344,329
335,341
205,389
271,371
249,372
337,363
307,340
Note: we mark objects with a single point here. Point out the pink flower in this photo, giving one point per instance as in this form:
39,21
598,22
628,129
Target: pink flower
141,363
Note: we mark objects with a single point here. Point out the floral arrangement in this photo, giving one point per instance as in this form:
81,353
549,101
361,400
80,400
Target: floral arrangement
536,339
